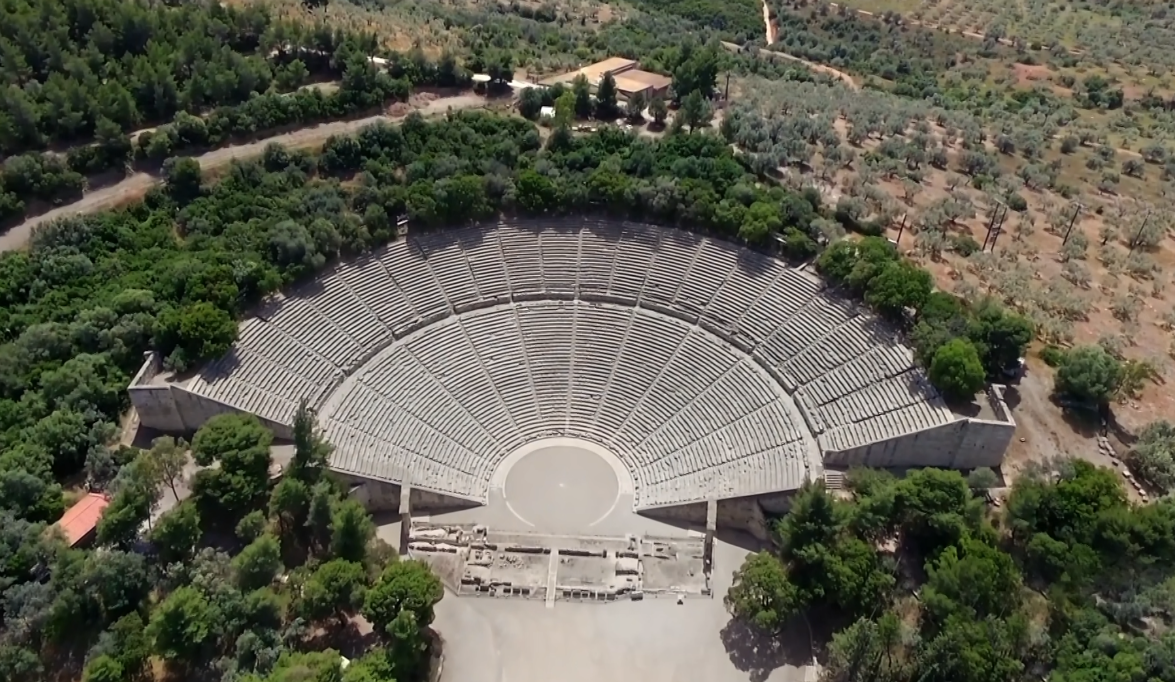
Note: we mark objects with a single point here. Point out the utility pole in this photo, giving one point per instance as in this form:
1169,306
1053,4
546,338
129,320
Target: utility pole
998,213
1073,220
999,229
901,228
1141,227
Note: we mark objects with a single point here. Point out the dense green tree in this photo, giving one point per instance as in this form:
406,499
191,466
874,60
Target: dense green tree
607,108
966,650
311,452
181,625
320,516
898,286
20,664
30,496
536,193
126,642
855,264
136,492
867,650
251,526
566,106
336,588
404,586
815,519
1067,509
1000,337
258,563
319,666
582,92
634,108
1089,374
182,177
193,333
290,505
762,593
1152,456
530,103
351,530
176,533
760,222
695,111
103,669
659,110
973,580
240,444
697,72
957,371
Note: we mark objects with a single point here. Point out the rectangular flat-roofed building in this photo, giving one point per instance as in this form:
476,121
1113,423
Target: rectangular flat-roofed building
648,84
593,72
613,65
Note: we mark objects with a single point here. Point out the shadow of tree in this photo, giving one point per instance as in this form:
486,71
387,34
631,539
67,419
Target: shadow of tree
351,637
759,653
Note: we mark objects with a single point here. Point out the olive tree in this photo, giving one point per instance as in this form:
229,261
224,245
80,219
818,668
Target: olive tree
1088,373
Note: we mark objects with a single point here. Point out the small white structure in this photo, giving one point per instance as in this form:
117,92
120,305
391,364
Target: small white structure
547,112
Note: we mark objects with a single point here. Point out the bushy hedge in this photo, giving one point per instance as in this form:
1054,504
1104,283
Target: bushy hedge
873,269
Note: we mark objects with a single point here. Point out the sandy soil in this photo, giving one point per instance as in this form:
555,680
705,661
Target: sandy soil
136,185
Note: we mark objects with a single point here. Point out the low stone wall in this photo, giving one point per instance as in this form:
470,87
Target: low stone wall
426,501
381,496
962,444
171,408
375,496
739,513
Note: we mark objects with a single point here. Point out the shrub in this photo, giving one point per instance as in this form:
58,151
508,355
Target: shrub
1052,355
251,526
964,245
1088,373
1153,456
956,370
1017,203
983,479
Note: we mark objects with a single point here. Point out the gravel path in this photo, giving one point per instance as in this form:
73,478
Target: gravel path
139,183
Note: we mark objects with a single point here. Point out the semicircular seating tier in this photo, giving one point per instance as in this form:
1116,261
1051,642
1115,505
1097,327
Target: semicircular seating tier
710,370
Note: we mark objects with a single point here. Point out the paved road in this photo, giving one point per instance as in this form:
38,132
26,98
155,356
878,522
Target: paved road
137,184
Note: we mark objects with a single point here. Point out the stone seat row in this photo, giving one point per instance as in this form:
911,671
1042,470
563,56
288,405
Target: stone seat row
414,280
400,397
887,395
781,468
370,457
888,425
869,368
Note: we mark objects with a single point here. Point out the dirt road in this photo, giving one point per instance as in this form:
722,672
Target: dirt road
139,183
771,32
818,68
